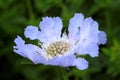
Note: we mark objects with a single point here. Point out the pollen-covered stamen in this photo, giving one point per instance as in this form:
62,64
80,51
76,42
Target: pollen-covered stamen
58,47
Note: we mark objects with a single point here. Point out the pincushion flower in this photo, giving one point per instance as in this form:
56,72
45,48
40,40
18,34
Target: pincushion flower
60,49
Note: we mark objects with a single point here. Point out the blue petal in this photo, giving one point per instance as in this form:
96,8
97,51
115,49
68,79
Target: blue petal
34,54
89,31
102,38
19,41
93,32
19,44
57,26
51,27
81,63
66,61
91,49
54,61
29,51
42,37
74,26
88,43
63,61
31,32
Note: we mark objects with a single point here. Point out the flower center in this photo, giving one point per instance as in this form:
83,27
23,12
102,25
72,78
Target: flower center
58,47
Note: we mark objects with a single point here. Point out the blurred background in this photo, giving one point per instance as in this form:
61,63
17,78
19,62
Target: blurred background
15,15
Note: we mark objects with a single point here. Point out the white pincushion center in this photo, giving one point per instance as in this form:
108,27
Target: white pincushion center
58,47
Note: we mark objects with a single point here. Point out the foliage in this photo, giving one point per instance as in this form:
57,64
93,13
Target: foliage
15,15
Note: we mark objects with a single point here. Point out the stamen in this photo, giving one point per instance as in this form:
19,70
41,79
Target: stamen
58,47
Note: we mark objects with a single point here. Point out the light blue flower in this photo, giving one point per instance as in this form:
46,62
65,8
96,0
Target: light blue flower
57,48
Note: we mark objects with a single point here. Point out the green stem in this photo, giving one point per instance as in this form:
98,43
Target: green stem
64,74
30,11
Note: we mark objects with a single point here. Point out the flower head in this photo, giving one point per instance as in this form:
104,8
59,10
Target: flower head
57,48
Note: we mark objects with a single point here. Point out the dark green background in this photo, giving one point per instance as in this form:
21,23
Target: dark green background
15,15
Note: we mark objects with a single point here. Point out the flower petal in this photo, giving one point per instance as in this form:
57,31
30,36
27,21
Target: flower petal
74,26
63,61
19,41
51,27
102,38
81,63
66,61
88,43
57,26
34,54
19,44
29,51
54,61
31,32
89,31
91,49
93,32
